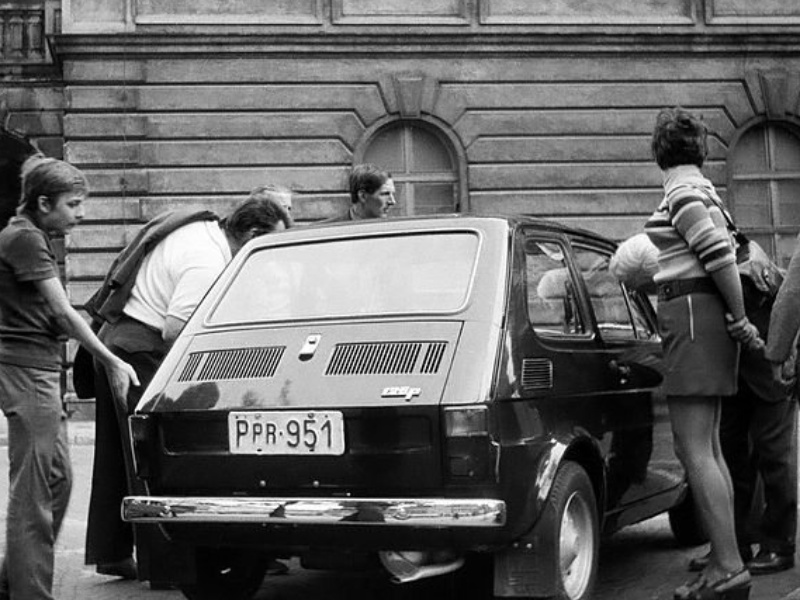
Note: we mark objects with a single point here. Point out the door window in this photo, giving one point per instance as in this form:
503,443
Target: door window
618,315
553,305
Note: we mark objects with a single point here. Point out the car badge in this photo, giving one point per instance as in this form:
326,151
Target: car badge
310,347
403,391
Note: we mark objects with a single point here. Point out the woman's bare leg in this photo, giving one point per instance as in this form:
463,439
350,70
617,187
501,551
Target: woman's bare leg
695,427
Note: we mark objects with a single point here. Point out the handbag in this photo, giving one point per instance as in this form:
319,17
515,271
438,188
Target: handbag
761,278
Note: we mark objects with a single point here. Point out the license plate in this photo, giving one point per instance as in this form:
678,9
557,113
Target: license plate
278,432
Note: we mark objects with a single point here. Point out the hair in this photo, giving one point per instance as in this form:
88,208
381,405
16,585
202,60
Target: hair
366,177
48,177
273,192
679,138
260,213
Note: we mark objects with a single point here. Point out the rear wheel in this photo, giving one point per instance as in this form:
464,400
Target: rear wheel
226,573
575,535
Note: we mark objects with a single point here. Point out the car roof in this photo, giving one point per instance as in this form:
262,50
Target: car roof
407,224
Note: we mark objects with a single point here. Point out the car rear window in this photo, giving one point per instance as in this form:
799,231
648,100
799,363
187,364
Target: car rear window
411,273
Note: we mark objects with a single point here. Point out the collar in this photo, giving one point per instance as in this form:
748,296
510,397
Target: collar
681,173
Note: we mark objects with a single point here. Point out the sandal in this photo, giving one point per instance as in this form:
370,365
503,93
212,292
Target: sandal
702,589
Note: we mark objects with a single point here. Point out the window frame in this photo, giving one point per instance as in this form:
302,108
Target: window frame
438,129
776,232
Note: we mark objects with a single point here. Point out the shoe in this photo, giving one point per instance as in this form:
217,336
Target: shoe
276,567
699,563
125,568
721,589
767,562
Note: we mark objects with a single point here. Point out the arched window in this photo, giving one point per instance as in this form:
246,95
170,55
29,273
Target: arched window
422,164
764,190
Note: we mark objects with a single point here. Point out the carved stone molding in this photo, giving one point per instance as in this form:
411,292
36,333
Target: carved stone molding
775,93
409,94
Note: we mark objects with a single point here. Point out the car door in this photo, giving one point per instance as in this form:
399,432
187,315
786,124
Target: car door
641,462
598,348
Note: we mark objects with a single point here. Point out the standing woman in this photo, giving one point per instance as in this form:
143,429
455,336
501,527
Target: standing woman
35,314
699,302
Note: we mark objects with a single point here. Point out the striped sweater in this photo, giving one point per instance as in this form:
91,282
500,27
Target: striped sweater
688,227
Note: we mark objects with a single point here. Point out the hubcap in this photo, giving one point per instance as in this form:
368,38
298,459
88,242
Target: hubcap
576,546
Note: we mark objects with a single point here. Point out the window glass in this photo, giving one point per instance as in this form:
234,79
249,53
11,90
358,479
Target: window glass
787,151
751,153
610,305
752,203
433,198
427,155
420,273
765,187
386,151
553,306
788,196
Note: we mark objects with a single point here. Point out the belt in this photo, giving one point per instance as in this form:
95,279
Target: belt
667,290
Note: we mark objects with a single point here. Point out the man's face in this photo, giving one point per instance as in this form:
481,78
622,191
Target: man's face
377,204
286,202
62,213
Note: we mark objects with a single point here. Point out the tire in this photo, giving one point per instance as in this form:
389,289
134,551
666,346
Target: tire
685,524
226,574
575,533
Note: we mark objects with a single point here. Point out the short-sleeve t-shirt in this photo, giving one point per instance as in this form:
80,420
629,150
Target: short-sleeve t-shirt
175,276
29,334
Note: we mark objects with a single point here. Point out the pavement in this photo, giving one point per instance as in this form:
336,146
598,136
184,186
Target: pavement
80,428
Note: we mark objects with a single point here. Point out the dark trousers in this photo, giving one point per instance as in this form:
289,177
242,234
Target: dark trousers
108,538
758,440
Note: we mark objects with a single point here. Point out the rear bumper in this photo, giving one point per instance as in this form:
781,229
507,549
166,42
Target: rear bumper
409,512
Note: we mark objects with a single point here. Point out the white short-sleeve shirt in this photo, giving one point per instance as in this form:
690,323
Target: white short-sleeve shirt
177,273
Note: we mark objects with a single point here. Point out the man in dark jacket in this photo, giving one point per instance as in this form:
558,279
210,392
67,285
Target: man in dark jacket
145,301
372,194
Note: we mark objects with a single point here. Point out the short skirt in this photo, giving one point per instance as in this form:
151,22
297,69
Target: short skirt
700,357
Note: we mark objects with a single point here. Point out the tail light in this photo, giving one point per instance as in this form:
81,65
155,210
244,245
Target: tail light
143,442
469,448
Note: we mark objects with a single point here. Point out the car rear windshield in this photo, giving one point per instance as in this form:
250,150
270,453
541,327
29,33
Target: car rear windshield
410,273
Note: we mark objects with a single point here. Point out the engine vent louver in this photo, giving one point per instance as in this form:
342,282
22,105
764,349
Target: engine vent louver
386,358
239,363
537,374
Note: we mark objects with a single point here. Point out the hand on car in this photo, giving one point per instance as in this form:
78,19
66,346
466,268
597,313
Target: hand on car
121,377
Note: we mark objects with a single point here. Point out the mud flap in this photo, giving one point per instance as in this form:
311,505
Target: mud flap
160,560
525,569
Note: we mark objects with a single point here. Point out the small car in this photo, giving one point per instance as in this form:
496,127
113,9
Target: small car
414,394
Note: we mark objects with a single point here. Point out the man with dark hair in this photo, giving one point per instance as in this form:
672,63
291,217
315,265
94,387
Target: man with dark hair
372,194
279,193
152,289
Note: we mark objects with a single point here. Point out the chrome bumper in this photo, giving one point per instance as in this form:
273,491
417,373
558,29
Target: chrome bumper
410,512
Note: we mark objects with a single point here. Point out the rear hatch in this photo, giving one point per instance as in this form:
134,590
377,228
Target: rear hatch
304,410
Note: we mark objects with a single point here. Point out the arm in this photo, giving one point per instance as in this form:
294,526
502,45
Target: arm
784,322
739,326
121,374
172,328
708,239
